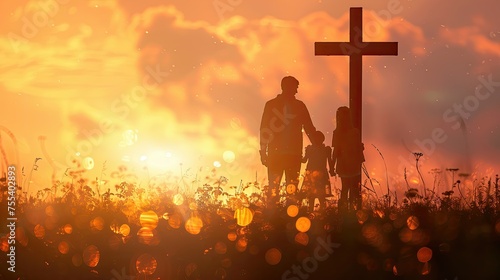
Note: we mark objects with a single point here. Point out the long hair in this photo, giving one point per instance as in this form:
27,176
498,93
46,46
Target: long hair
344,118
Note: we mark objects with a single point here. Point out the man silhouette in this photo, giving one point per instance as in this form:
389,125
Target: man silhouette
281,142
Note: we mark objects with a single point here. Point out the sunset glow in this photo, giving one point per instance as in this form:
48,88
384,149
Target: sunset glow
130,140
134,86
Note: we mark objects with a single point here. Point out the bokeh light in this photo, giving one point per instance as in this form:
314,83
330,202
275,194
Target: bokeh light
405,235
125,230
97,224
49,210
145,235
193,206
303,224
193,225
178,199
149,219
372,234
292,210
424,254
68,228
228,156
175,221
146,264
88,163
232,236
241,244
273,256
243,216
39,231
91,256
220,247
63,247
412,222
302,238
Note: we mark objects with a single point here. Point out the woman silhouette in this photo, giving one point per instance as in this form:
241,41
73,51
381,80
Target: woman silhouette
347,159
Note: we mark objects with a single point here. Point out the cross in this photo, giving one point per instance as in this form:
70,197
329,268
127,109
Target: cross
355,49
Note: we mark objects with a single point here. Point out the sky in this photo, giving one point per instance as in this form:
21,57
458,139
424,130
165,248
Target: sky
178,87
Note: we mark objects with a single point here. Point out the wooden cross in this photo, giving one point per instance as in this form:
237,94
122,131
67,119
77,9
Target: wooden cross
355,49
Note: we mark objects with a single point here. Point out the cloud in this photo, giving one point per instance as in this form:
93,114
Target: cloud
472,37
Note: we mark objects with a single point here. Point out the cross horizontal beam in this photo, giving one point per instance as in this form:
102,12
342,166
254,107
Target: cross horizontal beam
346,48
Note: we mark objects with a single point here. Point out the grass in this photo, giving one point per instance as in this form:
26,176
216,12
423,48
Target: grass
204,229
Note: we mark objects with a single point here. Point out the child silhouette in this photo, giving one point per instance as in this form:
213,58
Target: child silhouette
317,182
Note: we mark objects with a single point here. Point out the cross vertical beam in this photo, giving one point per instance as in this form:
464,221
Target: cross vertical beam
356,68
356,48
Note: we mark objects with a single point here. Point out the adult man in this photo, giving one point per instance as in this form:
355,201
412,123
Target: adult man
281,136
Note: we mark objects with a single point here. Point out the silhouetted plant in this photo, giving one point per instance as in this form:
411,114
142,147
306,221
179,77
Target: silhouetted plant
122,200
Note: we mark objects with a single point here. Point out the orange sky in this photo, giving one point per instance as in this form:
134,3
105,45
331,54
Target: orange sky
167,86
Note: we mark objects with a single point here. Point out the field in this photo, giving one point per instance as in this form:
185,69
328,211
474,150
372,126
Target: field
79,229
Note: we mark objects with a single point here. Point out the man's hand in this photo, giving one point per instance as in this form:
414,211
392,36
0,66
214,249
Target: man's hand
263,158
332,172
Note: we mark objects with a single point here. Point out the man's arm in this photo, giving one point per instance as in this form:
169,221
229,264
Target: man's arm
265,135
333,158
331,163
307,122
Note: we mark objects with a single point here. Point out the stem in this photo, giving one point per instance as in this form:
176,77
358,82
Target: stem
417,157
386,173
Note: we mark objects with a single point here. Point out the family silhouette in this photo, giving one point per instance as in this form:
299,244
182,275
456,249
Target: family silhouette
281,150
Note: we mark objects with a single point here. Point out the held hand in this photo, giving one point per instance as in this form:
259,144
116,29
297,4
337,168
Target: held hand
332,173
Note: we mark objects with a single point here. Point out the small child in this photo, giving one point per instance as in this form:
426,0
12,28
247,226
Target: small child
317,182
